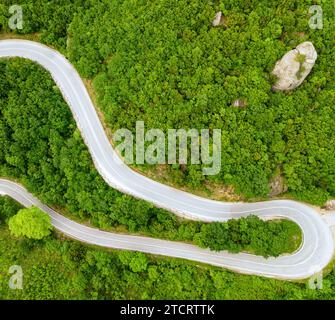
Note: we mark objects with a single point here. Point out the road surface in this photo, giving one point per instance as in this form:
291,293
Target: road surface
318,245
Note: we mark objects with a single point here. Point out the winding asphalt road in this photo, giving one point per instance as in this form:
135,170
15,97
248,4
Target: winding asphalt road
318,245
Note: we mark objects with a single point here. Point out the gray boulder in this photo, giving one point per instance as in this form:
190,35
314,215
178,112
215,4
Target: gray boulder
294,67
277,186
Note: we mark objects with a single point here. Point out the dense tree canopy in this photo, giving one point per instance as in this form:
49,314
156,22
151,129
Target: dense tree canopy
63,269
162,62
42,147
250,234
31,223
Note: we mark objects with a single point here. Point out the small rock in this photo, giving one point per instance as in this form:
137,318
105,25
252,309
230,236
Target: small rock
218,20
330,205
277,186
294,67
240,103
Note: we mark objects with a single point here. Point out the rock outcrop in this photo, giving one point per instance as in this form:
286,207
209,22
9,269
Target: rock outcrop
294,67
218,20
277,186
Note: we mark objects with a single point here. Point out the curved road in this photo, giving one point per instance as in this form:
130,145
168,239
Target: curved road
318,245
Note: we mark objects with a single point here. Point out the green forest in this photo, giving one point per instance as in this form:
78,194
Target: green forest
162,62
42,147
57,268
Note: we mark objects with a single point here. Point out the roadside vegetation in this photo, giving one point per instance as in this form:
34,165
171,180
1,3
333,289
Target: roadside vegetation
31,223
42,147
172,69
57,268
162,62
